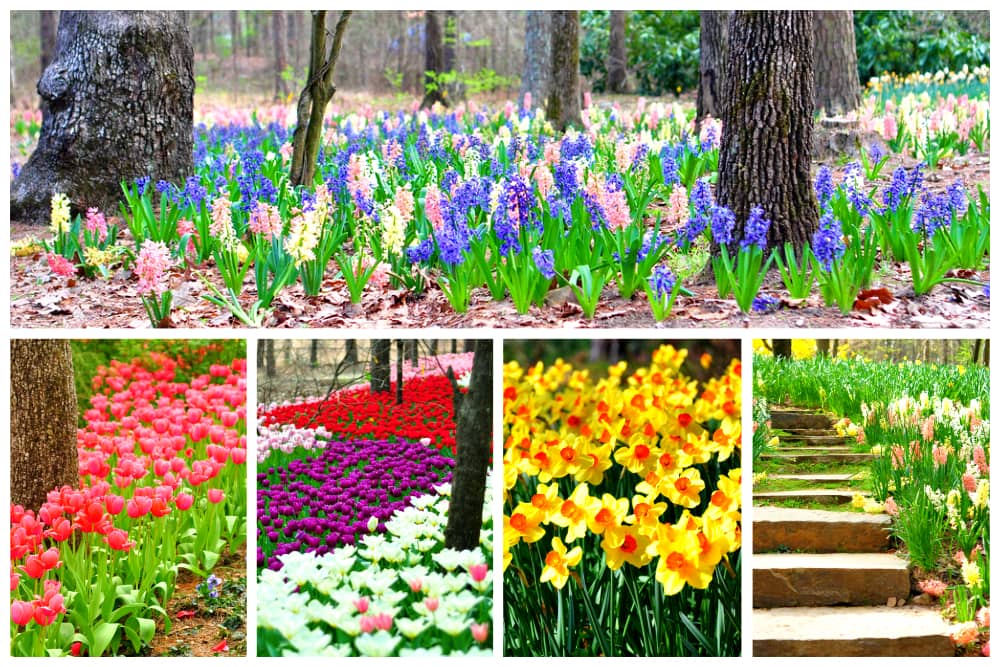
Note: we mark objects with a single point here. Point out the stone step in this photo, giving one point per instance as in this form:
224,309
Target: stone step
807,449
839,457
823,580
819,496
787,419
818,531
850,632
808,431
816,440
818,477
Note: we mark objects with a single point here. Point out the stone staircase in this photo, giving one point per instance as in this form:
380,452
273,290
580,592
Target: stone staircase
824,582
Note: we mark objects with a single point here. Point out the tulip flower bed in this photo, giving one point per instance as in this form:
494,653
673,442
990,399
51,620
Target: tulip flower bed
490,211
351,525
622,511
162,489
931,440
427,411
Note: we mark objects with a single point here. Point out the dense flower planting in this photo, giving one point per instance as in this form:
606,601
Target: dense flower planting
351,528
931,469
162,488
622,510
469,199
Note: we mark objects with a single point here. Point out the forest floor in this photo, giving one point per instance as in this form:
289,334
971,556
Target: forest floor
41,299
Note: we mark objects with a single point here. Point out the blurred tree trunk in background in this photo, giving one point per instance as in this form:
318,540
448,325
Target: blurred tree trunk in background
713,45
90,140
434,88
43,420
278,34
473,442
835,63
823,347
782,348
617,65
537,57
315,97
564,84
400,355
48,22
269,356
380,353
456,89
765,158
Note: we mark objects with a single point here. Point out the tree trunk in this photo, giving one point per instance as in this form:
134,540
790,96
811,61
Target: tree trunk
617,65
782,348
351,351
117,104
43,420
278,34
434,88
713,43
270,357
835,63
400,355
564,83
537,58
315,97
768,120
47,22
234,42
823,347
380,349
472,458
452,64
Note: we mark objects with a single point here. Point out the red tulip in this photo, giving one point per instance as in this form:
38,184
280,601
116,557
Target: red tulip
184,501
139,506
216,495
114,504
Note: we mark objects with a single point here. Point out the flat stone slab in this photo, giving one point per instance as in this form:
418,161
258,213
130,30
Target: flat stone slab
818,531
816,440
818,477
850,632
822,580
842,457
792,449
808,431
821,496
795,419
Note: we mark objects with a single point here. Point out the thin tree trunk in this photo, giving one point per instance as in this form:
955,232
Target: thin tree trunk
315,97
617,64
537,58
43,420
782,348
434,88
400,356
768,119
278,34
271,357
472,458
564,94
380,349
452,64
713,46
837,89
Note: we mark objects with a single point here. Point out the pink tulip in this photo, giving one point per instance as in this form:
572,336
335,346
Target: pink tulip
479,571
480,631
216,495
184,501
21,612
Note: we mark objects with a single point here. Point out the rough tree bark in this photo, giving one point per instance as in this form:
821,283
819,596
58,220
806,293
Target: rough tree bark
472,458
617,64
537,56
380,349
47,32
835,63
278,34
768,120
713,43
564,83
117,103
43,420
434,89
316,95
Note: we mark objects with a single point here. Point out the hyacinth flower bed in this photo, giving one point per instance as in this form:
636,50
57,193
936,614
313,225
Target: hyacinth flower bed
162,492
351,552
474,216
622,510
931,474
